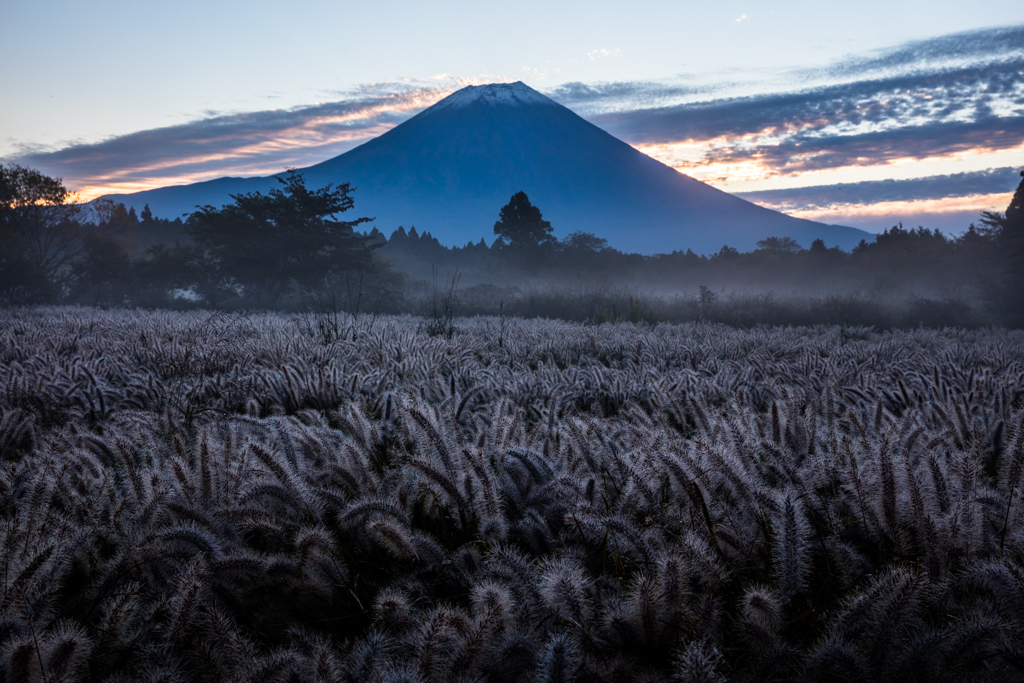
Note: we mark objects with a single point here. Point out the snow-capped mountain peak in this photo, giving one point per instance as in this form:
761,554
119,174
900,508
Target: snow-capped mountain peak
494,94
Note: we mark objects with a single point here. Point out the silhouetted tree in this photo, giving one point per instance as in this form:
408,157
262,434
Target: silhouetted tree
584,254
584,242
39,229
727,253
780,245
925,257
104,266
820,261
20,282
164,269
103,270
521,224
1015,211
260,243
1005,296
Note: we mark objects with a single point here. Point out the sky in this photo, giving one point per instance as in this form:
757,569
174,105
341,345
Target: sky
857,112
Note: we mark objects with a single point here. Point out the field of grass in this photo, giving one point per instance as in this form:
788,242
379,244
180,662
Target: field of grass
192,496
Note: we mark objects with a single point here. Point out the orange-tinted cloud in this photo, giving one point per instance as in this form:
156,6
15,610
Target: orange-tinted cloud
974,204
951,215
949,201
255,143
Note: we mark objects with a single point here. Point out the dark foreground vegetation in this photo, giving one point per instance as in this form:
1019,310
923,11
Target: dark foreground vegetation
199,496
289,250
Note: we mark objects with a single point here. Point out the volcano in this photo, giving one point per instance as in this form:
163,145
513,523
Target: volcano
449,169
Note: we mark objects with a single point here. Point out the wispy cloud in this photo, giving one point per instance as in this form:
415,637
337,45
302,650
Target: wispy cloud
995,181
952,215
235,144
978,45
908,116
603,52
997,48
957,197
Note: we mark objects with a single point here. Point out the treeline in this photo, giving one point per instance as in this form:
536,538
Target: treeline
904,275
53,250
900,260
262,250
287,250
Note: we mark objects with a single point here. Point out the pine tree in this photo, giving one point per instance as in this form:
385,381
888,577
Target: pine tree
521,224
1005,296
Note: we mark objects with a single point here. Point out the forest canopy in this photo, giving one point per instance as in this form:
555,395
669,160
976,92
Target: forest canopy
294,245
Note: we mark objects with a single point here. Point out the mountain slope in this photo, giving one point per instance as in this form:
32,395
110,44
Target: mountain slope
449,169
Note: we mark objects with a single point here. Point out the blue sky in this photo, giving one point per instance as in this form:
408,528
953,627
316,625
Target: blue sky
856,112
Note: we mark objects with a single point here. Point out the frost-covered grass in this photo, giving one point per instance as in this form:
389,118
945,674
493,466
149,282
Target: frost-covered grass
188,496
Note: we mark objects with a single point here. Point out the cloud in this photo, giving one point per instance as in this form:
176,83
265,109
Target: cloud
967,94
593,98
964,46
995,181
244,143
951,215
946,112
603,52
803,153
741,18
960,85
994,47
948,202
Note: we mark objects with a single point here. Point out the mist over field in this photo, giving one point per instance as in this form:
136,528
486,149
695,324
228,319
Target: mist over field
591,229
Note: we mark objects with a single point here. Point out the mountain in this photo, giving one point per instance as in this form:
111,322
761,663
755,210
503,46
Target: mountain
449,169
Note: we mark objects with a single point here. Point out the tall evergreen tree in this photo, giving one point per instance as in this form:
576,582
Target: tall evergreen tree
1006,294
521,224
